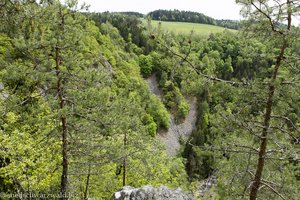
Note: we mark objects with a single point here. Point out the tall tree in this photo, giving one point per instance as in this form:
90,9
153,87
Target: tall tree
273,17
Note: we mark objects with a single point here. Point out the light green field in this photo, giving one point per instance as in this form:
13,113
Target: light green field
186,28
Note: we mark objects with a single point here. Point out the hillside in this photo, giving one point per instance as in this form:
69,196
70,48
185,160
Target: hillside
94,102
186,27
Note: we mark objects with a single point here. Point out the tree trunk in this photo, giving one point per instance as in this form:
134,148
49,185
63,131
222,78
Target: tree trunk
85,197
264,135
64,177
63,119
124,161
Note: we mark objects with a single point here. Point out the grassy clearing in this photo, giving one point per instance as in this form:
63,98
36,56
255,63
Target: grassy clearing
186,28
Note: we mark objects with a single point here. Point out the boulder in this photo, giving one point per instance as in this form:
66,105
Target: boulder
150,193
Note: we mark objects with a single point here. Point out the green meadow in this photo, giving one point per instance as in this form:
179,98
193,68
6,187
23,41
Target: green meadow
186,28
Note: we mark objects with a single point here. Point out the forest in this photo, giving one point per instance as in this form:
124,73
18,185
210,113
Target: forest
78,119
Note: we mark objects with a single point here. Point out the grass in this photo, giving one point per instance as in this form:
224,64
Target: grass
186,28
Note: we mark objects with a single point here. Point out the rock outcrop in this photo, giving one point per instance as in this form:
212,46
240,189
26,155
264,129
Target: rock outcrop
150,193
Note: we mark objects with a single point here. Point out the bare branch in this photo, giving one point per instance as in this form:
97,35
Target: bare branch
288,120
268,18
273,189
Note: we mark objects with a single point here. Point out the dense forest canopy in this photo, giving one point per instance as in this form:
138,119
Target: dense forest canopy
78,119
136,14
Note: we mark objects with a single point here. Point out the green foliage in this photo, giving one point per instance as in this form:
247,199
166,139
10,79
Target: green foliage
146,65
183,109
130,28
175,101
228,115
6,49
156,60
60,65
200,163
230,56
55,63
158,169
150,124
158,111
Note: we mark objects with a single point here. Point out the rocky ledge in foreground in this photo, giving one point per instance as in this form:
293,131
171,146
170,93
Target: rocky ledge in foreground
150,193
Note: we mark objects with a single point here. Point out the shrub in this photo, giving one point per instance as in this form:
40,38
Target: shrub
146,65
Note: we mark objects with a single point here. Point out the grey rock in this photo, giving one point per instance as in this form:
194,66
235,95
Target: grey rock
150,193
